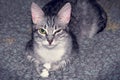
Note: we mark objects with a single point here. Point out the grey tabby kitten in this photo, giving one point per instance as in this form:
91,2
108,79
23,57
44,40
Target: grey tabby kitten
51,43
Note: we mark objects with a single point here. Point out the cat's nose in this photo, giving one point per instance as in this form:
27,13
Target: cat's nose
50,41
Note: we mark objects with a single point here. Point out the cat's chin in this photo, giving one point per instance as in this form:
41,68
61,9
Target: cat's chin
49,46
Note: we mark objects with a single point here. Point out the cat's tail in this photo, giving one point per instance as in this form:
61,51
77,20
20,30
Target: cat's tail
102,20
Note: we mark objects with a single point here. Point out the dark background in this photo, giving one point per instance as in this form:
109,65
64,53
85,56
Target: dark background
99,58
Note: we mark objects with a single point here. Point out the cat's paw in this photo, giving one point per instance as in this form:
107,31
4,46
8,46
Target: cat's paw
30,58
44,73
62,64
47,66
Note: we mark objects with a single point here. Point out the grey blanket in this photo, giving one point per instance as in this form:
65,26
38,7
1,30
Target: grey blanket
98,58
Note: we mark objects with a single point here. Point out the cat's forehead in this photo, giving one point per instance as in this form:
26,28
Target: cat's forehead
52,22
49,22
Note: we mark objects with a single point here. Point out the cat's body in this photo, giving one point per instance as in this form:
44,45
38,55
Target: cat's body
52,42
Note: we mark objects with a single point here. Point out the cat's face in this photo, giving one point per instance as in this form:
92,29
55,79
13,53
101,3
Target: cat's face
50,31
50,35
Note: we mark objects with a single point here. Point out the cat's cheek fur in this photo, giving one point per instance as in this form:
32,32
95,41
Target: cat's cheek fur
45,42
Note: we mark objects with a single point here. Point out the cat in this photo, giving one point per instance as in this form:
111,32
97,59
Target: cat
54,27
51,43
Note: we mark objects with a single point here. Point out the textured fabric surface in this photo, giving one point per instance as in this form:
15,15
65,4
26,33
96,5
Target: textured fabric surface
98,58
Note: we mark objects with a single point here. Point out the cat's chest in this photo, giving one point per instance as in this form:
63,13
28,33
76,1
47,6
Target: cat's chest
52,55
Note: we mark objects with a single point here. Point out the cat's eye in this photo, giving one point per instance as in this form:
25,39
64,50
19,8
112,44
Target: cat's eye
58,31
42,31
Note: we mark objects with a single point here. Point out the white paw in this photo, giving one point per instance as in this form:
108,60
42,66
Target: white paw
47,66
44,73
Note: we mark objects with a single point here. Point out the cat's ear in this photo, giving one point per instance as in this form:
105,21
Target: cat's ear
37,13
64,14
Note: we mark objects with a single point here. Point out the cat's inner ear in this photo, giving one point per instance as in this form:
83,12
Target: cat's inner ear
64,14
37,13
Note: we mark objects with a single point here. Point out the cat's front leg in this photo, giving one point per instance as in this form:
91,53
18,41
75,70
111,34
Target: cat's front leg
47,66
45,71
35,62
41,69
37,67
30,58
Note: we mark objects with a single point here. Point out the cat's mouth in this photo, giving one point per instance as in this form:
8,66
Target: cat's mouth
50,46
